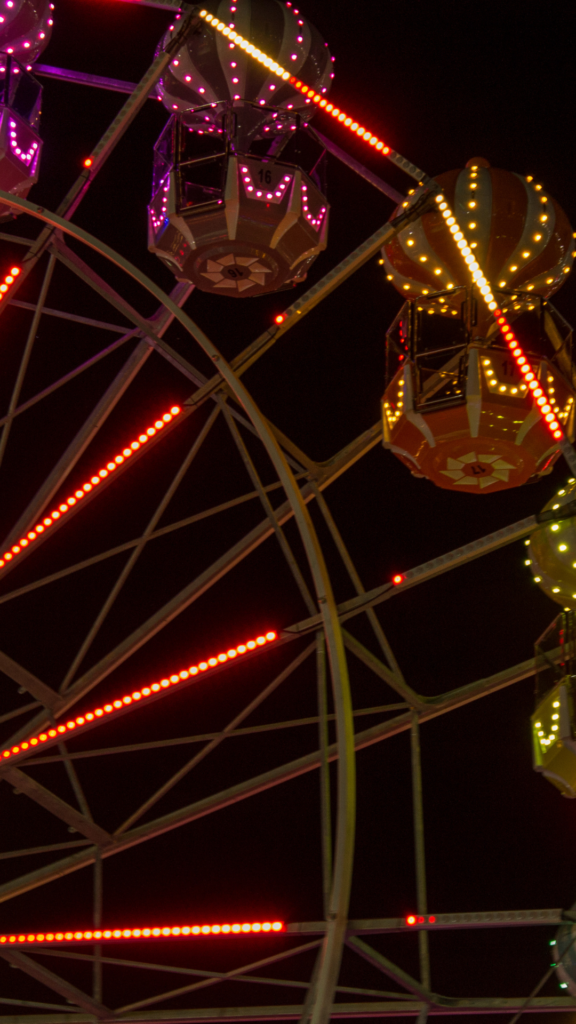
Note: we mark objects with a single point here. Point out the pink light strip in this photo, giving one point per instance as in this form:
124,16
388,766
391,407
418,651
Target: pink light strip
147,691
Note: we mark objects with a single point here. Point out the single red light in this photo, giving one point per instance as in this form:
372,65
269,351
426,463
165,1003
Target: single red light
432,920
88,161
411,919
420,920
397,579
279,319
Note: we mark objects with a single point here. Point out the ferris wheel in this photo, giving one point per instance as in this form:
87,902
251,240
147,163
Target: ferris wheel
145,478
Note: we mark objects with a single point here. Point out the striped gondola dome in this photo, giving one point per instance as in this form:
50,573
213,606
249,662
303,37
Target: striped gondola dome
209,73
518,233
25,28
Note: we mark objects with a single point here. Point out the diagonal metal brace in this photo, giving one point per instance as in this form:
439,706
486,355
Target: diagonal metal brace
24,784
29,682
391,969
53,981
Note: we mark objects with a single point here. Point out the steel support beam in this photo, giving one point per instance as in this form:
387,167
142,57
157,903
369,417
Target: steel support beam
391,970
138,549
51,980
56,806
29,682
79,444
86,321
212,744
427,571
355,165
392,727
40,395
381,670
338,1011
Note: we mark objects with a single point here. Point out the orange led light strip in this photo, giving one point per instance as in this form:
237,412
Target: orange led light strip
8,281
85,489
58,731
311,94
187,930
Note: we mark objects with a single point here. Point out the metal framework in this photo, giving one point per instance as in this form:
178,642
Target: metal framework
218,411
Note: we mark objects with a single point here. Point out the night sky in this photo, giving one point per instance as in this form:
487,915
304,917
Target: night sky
440,83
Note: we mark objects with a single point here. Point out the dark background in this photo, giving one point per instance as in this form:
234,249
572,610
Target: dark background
440,83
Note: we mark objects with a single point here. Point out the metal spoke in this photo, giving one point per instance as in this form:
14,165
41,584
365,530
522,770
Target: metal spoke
101,287
325,809
355,165
88,431
20,711
391,727
357,583
25,359
51,980
43,693
75,782
418,816
77,447
56,806
379,669
253,730
179,525
390,969
227,731
217,977
139,548
37,1006
145,965
284,546
86,321
97,924
70,376
49,848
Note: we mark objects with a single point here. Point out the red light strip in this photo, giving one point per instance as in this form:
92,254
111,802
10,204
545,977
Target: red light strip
311,94
412,919
187,930
9,281
130,698
538,394
85,488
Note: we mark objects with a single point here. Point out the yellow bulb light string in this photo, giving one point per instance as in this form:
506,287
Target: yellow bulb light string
477,276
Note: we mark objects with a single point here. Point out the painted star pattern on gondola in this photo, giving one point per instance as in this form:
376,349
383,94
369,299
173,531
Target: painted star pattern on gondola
473,470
